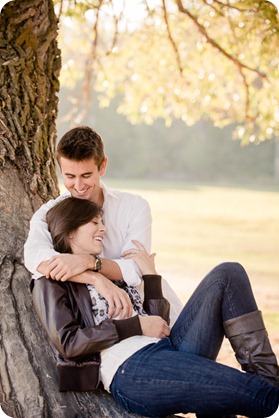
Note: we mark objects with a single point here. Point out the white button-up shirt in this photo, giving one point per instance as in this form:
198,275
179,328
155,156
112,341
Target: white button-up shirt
127,216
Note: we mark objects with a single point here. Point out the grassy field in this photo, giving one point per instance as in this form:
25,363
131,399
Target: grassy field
198,226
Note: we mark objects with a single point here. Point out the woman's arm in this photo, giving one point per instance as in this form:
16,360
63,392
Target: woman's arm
68,329
154,301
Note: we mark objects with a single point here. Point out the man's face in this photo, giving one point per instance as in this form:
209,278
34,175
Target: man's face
82,178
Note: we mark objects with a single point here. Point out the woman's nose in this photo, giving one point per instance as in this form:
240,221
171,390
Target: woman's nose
103,229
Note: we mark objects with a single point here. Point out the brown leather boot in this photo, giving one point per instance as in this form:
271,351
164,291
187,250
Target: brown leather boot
249,340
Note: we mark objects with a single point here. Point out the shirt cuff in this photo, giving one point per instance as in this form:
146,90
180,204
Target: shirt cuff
130,273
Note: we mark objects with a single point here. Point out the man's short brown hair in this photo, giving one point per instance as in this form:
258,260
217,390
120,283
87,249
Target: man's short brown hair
81,143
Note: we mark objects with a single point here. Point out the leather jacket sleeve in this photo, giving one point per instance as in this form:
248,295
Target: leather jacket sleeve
154,301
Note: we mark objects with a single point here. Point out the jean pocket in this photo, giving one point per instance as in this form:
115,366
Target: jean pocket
133,406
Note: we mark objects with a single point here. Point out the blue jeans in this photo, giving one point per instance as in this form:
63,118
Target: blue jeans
180,374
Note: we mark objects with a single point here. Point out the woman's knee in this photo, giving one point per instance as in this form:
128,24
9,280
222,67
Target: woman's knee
232,268
232,271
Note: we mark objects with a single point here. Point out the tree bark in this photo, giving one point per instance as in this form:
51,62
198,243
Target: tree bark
30,64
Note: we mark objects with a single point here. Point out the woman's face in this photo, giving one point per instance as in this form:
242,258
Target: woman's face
88,238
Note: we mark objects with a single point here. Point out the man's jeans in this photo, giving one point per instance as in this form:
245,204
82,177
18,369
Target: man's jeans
179,373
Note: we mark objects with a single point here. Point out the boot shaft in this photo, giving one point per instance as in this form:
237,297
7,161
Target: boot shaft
250,342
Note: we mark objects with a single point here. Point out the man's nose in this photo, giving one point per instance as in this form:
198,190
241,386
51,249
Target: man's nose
79,184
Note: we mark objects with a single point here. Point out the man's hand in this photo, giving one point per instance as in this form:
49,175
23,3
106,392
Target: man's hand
64,266
118,300
154,326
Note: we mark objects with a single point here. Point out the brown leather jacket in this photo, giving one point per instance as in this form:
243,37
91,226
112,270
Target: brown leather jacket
65,312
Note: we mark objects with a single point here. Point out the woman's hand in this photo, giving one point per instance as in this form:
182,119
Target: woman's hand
154,326
144,261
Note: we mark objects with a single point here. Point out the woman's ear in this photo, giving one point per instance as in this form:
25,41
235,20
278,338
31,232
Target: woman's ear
71,235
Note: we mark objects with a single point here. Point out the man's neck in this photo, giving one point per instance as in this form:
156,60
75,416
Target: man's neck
99,199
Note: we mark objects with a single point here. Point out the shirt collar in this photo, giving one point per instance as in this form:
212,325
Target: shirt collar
107,192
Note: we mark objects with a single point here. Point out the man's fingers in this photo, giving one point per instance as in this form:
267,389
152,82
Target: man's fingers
111,306
55,273
127,306
123,305
117,307
119,303
64,277
59,273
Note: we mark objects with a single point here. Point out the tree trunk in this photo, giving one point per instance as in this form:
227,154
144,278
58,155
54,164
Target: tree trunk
30,65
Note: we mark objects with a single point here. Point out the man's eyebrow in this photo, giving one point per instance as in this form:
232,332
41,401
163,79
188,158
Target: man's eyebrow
82,174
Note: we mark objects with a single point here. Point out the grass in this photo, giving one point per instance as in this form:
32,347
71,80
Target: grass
198,226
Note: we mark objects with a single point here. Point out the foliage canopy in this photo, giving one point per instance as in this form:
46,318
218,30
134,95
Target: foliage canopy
191,60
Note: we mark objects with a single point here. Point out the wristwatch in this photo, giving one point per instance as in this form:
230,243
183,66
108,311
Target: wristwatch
98,264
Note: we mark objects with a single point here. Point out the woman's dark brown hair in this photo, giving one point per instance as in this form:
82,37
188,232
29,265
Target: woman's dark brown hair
66,217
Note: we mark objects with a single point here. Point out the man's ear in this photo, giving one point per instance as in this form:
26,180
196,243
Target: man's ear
103,166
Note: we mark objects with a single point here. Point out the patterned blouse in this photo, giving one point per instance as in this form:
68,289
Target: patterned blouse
100,304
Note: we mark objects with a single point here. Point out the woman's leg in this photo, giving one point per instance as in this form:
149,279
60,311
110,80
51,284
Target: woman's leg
224,303
225,293
177,375
159,380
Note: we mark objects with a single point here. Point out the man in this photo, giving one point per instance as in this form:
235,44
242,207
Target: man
127,217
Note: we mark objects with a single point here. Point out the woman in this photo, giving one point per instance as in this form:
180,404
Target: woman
150,369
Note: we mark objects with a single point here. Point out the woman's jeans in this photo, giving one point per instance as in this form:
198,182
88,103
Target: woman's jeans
179,373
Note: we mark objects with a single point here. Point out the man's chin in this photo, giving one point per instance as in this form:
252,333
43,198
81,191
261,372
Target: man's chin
85,196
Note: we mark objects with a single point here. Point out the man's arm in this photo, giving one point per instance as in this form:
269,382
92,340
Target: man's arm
38,251
65,266
118,300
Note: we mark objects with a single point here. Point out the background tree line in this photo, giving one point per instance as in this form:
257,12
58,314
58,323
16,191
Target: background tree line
200,152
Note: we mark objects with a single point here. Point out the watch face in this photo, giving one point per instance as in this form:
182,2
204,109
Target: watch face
98,264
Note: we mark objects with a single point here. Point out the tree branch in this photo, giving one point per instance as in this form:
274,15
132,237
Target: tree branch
92,56
171,38
116,31
247,92
228,5
60,10
219,12
211,41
